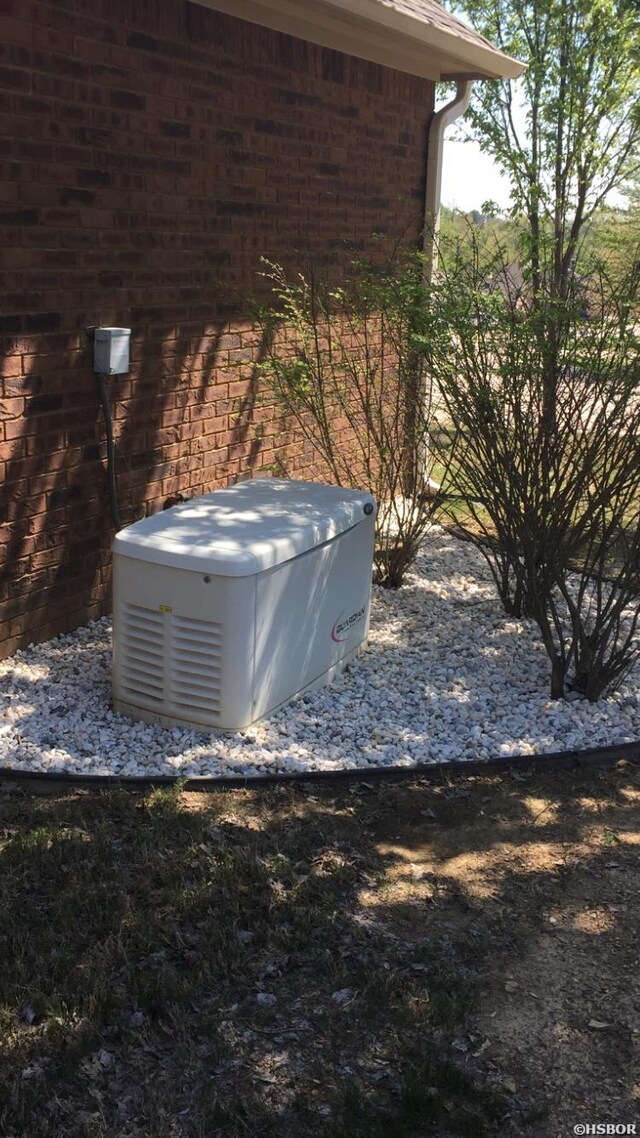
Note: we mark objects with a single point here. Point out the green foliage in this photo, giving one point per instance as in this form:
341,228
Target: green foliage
568,131
541,377
483,230
346,362
543,400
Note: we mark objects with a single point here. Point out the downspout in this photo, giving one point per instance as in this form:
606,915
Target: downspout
433,184
439,123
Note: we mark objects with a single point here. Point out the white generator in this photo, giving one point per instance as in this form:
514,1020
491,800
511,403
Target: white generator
228,605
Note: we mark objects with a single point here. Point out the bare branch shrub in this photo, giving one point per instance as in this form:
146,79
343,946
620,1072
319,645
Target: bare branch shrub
543,401
346,362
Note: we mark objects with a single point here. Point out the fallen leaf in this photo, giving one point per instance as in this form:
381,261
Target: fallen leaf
28,1015
266,999
343,996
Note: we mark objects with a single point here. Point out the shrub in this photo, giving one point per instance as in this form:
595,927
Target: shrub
543,405
346,363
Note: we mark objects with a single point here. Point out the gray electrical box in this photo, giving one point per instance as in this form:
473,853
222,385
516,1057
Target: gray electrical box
111,350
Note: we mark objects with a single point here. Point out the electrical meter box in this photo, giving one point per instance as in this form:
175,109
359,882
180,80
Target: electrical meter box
228,605
111,350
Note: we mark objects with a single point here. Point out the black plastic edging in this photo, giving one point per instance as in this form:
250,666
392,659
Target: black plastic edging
559,759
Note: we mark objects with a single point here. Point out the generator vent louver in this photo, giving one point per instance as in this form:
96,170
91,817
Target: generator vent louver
196,664
192,680
143,654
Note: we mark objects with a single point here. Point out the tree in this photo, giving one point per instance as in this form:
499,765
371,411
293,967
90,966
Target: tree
569,131
540,380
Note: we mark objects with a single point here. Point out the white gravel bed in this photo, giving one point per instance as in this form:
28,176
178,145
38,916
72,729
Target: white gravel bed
446,676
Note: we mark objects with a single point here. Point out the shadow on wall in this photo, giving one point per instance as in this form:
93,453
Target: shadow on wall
183,423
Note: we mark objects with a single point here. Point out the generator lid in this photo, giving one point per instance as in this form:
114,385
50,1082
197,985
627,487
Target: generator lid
246,528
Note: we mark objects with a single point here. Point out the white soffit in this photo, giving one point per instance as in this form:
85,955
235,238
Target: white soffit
415,36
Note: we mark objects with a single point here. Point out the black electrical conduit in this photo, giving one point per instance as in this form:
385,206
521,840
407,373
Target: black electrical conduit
606,756
111,454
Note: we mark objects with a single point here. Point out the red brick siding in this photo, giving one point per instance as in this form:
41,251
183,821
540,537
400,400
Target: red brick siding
150,152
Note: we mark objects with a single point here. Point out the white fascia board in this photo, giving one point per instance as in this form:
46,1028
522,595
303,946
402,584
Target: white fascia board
378,33
469,54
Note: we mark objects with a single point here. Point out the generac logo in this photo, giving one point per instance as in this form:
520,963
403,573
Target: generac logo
343,625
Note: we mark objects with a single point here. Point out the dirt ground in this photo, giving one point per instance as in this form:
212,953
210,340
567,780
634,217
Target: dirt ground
562,1019
550,863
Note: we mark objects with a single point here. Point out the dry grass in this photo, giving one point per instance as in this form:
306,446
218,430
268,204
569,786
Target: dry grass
330,962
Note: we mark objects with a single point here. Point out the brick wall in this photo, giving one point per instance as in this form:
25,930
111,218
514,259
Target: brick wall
151,151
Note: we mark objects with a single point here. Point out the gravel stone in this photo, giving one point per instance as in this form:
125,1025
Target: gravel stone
446,676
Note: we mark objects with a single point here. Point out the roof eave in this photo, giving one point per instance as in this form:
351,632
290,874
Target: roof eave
476,60
416,47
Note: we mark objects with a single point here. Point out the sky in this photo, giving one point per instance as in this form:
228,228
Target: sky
470,177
